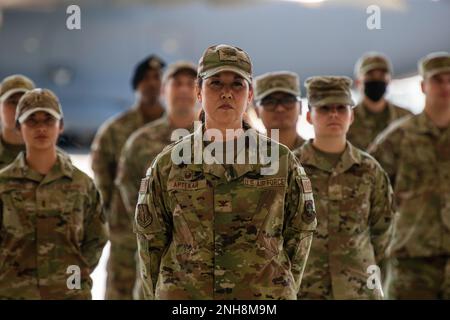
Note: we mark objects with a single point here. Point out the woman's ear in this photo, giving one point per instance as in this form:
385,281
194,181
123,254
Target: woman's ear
61,126
250,95
198,92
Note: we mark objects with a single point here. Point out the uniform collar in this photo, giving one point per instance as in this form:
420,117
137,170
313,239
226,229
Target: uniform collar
350,157
19,169
425,125
362,110
231,172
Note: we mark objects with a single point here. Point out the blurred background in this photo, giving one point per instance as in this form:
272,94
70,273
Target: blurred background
90,69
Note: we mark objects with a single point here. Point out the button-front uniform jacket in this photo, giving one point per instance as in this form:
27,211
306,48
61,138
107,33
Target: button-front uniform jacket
52,228
223,232
416,155
355,216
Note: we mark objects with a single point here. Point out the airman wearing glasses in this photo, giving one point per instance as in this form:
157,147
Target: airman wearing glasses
354,201
277,97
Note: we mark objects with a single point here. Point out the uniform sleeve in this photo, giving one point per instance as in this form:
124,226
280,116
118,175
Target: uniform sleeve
129,177
382,215
104,164
96,231
153,231
1,218
300,221
386,149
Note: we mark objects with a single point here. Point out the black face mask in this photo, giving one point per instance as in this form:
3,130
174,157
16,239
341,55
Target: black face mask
374,90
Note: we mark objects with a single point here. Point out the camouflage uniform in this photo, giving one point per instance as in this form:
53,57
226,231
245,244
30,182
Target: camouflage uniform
416,155
354,213
49,223
354,207
8,152
214,231
137,155
367,125
41,237
9,86
105,151
206,232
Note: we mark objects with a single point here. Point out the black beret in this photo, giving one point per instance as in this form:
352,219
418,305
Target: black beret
151,62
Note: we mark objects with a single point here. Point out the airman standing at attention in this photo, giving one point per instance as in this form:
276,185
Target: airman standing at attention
374,113
353,200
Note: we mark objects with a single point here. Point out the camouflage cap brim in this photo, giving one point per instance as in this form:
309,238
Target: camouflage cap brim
333,100
211,72
273,90
434,72
9,93
23,117
374,66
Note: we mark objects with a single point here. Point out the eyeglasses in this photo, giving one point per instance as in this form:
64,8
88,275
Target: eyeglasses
270,104
341,109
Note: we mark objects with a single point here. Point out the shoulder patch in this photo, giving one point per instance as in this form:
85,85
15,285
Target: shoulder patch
309,214
143,216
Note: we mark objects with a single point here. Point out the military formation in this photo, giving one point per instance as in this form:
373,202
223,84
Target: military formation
361,211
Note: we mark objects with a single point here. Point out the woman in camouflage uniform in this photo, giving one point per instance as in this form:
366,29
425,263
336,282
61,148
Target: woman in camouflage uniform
52,226
353,198
223,231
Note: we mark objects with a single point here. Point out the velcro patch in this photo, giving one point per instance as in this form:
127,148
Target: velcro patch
143,216
227,55
264,183
309,214
186,185
307,187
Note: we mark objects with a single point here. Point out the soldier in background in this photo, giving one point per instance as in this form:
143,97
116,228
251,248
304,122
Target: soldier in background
11,142
221,230
374,113
106,149
353,200
144,145
415,151
277,97
52,223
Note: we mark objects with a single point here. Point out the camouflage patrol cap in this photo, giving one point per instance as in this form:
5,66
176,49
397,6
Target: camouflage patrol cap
14,84
224,57
325,90
38,100
280,81
178,66
371,61
434,63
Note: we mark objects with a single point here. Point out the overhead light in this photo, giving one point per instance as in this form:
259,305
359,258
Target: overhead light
308,3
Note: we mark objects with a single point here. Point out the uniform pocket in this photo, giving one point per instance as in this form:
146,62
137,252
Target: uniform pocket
354,208
18,217
193,210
